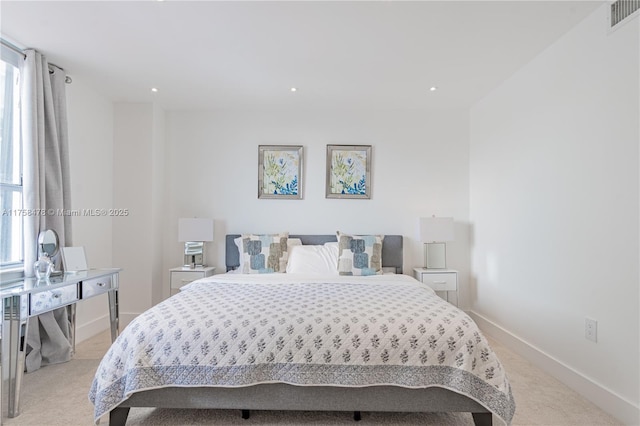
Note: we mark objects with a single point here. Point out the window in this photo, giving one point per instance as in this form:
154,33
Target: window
11,247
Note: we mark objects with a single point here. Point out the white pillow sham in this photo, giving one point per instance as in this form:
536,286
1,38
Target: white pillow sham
293,242
312,259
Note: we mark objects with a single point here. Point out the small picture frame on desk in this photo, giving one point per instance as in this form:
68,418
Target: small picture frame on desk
74,259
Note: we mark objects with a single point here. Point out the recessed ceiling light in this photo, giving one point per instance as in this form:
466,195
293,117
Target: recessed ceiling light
433,88
294,89
154,89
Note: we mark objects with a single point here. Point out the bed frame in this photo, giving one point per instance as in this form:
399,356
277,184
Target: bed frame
280,396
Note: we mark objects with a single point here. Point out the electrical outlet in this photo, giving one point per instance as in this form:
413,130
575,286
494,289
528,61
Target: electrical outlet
591,329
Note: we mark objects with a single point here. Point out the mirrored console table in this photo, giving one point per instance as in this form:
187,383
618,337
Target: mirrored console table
29,297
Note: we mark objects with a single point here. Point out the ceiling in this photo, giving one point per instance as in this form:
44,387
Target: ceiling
361,54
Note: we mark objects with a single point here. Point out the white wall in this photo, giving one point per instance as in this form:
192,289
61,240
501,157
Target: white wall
138,186
419,168
158,176
554,198
117,161
90,122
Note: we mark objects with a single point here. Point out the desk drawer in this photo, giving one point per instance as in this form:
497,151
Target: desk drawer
178,279
441,282
45,301
96,286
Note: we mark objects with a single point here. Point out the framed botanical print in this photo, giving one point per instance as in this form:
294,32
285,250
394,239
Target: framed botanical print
280,171
348,171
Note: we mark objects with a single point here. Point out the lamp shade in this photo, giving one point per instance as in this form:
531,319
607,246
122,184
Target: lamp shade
195,229
436,229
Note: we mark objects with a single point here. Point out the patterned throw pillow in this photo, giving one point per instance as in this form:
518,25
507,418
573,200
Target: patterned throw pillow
264,254
360,254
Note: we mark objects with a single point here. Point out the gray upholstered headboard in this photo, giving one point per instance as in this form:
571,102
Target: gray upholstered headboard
391,249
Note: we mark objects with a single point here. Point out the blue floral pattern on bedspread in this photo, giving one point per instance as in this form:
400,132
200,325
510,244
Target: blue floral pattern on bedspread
347,331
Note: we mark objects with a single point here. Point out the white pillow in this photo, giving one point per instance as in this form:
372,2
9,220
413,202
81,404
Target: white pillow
293,242
321,260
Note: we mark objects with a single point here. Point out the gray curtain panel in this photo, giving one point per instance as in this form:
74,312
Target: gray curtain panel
46,186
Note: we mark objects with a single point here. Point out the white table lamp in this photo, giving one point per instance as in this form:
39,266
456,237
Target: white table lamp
194,232
435,232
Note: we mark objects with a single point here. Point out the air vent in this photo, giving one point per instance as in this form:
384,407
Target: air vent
622,9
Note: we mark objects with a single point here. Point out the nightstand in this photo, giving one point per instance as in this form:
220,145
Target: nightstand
184,275
440,280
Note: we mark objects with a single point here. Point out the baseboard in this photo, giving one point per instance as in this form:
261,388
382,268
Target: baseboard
607,400
91,328
100,324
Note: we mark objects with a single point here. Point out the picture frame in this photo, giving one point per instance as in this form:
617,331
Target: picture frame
348,171
74,259
280,170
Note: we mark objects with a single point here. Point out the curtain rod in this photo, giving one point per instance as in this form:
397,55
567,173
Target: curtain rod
12,47
19,51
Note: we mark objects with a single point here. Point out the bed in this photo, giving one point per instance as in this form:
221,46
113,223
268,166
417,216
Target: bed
298,341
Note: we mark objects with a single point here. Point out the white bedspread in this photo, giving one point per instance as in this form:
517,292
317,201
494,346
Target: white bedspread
239,330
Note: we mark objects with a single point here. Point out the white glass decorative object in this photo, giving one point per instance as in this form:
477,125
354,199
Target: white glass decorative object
42,268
